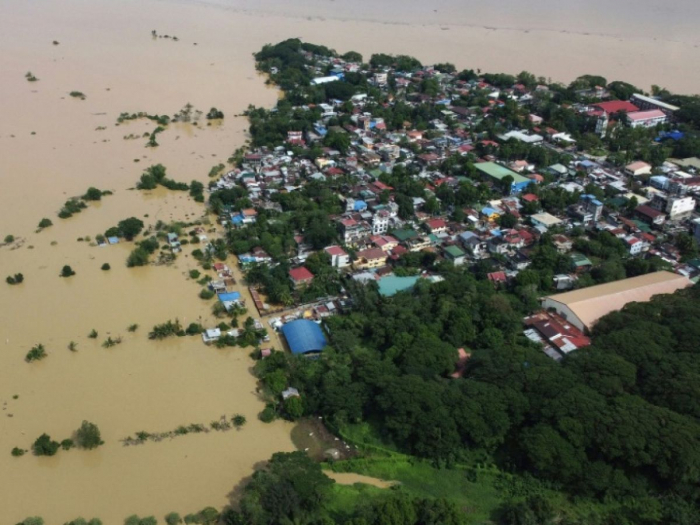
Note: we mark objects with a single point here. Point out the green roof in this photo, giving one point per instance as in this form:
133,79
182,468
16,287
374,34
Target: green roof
391,284
498,172
454,251
642,226
405,235
581,260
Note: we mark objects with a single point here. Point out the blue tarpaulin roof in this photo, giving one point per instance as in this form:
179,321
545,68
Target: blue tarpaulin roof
360,205
304,336
229,297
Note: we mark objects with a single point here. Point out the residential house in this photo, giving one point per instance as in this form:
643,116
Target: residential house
301,276
339,257
370,258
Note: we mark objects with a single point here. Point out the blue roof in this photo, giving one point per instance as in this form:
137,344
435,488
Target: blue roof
229,297
304,336
237,219
360,205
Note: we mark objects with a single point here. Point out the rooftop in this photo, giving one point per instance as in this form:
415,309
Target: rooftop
592,303
498,171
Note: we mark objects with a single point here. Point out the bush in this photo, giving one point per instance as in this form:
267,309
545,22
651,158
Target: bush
77,94
9,238
92,194
268,414
45,223
206,294
45,446
35,520
18,452
194,274
138,257
173,518
37,353
239,420
194,329
67,444
105,267
93,334
15,279
133,327
67,271
88,436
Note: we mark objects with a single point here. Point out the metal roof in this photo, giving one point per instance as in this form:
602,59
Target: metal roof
304,336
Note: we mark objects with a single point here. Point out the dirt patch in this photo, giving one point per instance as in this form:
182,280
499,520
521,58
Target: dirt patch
312,436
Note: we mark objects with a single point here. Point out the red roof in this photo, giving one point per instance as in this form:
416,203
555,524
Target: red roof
335,250
436,224
497,277
371,254
615,106
530,197
300,274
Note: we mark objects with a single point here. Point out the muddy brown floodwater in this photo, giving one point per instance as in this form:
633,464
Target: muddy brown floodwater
54,146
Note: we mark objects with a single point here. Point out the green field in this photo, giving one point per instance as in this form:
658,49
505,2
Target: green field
478,491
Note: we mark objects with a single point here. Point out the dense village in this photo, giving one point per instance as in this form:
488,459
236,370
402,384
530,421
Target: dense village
415,171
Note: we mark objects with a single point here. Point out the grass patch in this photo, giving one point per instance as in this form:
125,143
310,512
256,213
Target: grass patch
345,498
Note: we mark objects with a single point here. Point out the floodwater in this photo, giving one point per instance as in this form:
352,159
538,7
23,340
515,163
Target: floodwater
54,146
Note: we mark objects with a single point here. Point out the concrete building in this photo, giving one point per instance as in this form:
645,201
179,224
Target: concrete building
339,257
646,119
584,307
648,103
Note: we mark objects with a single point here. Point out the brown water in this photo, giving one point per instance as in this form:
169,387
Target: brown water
106,51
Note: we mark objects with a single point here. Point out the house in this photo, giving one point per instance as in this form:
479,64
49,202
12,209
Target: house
472,243
638,168
290,392
557,335
635,245
370,258
436,226
385,242
455,254
301,276
649,215
339,257
544,220
211,335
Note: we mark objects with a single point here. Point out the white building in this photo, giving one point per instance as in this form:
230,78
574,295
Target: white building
380,223
646,119
679,207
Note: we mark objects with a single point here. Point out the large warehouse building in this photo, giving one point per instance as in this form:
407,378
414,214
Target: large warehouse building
304,337
497,172
582,308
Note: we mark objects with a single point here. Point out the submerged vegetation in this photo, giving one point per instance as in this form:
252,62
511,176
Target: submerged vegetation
220,425
77,204
15,279
37,353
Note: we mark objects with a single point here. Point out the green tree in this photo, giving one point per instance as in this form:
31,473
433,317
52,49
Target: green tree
130,228
45,446
67,271
88,436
